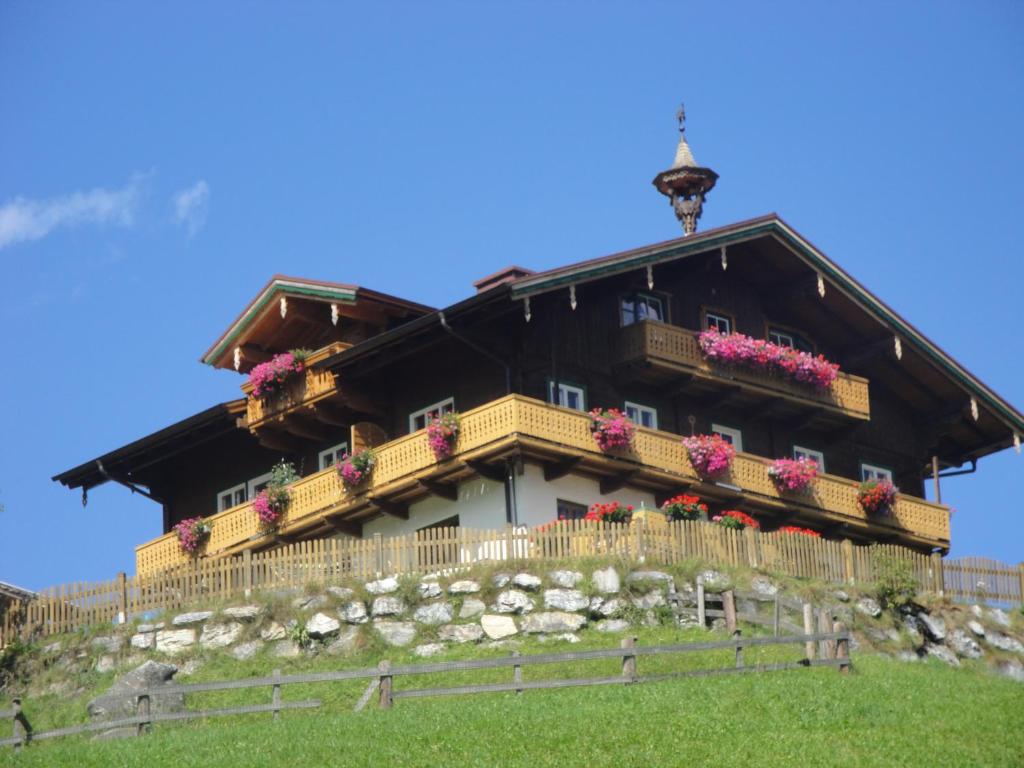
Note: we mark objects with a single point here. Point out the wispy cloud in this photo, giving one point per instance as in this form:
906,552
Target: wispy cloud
24,219
191,206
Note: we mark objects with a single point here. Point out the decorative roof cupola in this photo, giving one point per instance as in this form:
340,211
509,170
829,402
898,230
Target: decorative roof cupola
685,183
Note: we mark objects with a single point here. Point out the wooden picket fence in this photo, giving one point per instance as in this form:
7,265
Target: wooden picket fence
70,606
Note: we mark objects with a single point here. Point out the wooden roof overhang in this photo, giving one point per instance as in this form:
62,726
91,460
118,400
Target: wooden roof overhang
292,312
887,349
128,464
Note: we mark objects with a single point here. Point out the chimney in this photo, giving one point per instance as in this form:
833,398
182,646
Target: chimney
506,275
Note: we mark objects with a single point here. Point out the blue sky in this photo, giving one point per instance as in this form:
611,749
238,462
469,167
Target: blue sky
159,163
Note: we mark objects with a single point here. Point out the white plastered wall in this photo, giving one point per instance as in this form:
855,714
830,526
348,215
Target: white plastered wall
537,498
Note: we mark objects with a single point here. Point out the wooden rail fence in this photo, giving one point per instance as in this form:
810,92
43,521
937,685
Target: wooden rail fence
70,606
834,638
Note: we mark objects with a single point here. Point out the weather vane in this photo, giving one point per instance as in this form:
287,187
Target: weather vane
681,117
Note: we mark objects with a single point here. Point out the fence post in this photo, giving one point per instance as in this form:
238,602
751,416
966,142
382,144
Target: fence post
628,661
517,672
275,696
142,711
826,647
122,597
641,540
729,607
247,572
809,630
751,536
385,684
847,546
22,729
737,636
702,616
509,543
938,585
378,546
842,648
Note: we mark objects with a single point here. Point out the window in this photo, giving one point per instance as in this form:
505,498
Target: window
643,415
570,510
331,456
799,452
871,472
419,419
568,396
720,323
732,436
787,338
641,306
257,484
232,497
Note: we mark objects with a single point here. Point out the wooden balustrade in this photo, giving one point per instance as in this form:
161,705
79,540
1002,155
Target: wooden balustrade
310,386
406,460
655,342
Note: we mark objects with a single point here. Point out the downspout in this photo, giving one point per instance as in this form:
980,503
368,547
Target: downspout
482,350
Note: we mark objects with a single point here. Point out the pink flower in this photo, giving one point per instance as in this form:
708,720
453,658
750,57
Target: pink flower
740,349
611,429
709,455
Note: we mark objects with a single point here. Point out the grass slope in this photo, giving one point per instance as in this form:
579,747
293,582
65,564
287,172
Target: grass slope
886,713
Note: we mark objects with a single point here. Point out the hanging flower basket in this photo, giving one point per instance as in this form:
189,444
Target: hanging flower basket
611,428
684,507
611,512
741,350
193,534
710,455
876,497
442,432
271,503
798,531
736,520
793,475
353,470
269,378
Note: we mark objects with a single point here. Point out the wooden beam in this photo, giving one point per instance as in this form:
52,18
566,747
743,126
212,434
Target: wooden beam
253,353
391,508
448,491
303,426
277,441
556,469
678,386
329,413
493,472
717,399
614,482
345,526
864,352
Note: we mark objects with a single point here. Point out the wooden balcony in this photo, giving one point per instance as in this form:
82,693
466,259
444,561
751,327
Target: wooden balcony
561,440
299,393
666,353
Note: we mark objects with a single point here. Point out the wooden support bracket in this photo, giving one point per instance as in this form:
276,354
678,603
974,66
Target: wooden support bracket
556,469
493,472
614,482
448,491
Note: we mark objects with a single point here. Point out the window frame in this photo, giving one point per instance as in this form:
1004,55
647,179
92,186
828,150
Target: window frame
794,333
243,487
735,434
720,314
250,486
818,456
568,385
577,507
640,409
336,450
424,412
887,471
662,299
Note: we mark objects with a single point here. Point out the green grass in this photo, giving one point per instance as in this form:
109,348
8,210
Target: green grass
886,713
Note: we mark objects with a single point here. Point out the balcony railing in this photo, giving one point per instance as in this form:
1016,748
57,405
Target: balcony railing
309,387
533,425
653,342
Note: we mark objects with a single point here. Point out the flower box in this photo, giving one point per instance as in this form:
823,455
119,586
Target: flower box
741,350
612,429
269,378
876,497
793,475
442,432
710,455
355,469
685,507
193,533
736,520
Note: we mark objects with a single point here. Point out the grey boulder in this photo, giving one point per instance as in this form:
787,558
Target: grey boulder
434,613
552,621
869,607
320,626
513,601
119,700
396,633
220,635
461,633
566,579
471,607
464,587
565,599
193,617
606,581
387,606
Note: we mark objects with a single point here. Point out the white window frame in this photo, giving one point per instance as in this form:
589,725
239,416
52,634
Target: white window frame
736,435
874,472
564,390
779,336
800,451
441,407
640,411
250,487
233,490
648,300
716,318
334,452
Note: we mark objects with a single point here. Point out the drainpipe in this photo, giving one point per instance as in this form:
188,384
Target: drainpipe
511,504
482,350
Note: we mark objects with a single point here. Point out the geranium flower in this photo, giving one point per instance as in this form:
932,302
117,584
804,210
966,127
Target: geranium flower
611,428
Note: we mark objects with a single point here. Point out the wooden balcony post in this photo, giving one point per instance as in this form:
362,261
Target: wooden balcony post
935,478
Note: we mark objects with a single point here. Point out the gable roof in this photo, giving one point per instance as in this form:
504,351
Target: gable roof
772,225
283,286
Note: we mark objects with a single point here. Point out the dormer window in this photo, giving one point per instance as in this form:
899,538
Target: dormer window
717,321
641,306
